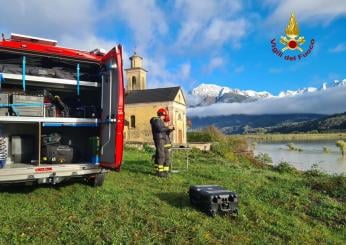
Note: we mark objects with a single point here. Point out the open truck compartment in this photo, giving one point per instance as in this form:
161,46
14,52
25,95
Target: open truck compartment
61,111
64,153
12,63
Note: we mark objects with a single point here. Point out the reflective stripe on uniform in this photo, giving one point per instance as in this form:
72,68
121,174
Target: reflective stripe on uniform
166,168
167,145
159,168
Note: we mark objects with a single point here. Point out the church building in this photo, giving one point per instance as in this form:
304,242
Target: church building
141,104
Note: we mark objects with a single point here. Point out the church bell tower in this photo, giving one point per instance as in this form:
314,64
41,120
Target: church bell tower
136,74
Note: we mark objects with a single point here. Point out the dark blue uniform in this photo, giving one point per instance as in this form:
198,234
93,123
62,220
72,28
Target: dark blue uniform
160,133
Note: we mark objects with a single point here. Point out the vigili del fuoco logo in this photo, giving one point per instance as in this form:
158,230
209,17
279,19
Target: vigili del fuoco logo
292,42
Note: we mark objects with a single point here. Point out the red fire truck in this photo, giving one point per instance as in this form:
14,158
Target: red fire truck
61,111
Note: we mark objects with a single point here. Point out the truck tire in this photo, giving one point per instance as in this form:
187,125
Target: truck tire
212,213
97,180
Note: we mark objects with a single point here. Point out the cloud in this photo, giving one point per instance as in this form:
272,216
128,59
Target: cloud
220,31
193,100
329,101
341,47
207,9
161,77
239,69
71,23
210,23
185,70
144,18
148,24
308,10
50,19
86,42
214,63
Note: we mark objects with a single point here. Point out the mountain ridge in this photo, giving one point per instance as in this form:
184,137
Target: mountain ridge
207,94
239,123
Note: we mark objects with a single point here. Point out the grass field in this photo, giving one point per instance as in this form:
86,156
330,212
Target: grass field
277,205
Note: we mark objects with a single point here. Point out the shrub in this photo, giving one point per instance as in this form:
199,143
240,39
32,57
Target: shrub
342,146
129,147
326,149
293,147
209,134
219,148
334,186
314,171
264,158
148,149
198,137
227,147
215,134
284,167
231,149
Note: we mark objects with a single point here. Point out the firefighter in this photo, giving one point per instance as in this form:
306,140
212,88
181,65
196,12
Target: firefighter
160,132
167,147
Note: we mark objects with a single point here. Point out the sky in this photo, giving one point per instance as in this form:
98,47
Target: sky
189,42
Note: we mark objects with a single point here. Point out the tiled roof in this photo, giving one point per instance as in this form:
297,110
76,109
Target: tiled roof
151,95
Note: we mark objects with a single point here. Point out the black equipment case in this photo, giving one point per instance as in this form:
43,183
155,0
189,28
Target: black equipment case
214,199
57,154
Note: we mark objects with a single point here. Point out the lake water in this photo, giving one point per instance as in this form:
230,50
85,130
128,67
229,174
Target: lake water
332,162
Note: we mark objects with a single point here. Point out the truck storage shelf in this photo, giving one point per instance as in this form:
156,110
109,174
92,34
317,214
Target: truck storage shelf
49,80
48,119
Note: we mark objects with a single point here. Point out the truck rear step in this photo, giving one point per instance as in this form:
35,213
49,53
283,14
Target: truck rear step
46,173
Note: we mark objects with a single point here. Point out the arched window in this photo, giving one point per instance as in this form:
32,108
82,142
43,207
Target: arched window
134,82
133,121
179,116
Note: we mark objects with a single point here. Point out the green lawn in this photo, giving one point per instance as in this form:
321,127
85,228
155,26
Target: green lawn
134,206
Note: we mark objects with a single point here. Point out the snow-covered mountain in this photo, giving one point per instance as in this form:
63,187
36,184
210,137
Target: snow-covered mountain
207,94
324,86
297,92
212,90
337,83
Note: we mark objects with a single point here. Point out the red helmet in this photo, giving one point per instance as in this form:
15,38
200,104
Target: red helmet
167,119
163,112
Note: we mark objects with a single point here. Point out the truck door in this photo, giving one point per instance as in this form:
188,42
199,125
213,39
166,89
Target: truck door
112,116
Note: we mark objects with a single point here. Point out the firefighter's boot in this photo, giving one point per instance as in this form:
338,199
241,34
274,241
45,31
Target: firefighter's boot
160,170
166,170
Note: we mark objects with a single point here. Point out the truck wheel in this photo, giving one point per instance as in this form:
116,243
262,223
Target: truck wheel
97,180
212,213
